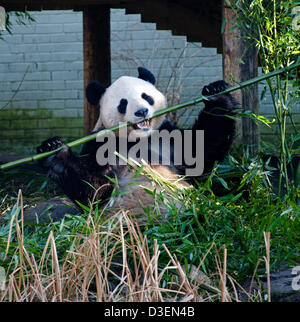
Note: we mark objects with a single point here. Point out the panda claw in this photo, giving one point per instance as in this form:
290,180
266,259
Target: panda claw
214,88
49,145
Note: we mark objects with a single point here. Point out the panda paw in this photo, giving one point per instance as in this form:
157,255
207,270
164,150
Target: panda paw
46,146
49,145
214,88
220,104
60,162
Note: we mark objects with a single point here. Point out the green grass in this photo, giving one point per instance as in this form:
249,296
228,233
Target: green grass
231,209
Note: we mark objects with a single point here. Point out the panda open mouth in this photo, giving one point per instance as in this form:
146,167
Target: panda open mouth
143,125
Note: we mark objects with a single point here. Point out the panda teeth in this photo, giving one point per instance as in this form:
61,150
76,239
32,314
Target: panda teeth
144,124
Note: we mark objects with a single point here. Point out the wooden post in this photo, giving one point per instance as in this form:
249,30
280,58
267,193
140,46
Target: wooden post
231,51
96,53
240,64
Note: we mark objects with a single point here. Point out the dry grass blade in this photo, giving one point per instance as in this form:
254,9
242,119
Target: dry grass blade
108,261
267,237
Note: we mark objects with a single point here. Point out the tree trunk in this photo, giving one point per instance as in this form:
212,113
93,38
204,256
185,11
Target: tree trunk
240,64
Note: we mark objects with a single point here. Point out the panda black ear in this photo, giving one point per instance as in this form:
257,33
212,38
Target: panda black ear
146,75
93,92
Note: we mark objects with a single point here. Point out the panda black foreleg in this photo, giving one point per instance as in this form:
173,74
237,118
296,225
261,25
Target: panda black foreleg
218,124
74,174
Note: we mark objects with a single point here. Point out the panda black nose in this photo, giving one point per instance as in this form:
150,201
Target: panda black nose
141,112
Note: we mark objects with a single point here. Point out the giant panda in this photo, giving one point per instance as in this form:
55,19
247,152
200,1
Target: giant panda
133,99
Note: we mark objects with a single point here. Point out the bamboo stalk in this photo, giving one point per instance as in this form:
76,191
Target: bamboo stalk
157,114
267,237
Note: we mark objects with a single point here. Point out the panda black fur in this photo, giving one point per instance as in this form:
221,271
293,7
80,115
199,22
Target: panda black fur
132,99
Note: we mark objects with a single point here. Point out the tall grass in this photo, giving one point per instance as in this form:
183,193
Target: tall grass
107,262
202,249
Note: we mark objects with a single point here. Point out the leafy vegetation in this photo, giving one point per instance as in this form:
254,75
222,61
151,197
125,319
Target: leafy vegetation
19,17
226,216
269,24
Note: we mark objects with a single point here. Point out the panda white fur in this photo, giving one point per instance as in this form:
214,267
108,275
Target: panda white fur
133,99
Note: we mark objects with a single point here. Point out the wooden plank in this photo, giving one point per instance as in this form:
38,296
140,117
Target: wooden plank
96,53
21,5
231,51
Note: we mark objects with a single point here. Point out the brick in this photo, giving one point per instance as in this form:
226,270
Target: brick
69,132
73,103
42,18
37,114
10,58
60,123
5,86
5,49
38,76
20,67
51,66
50,85
72,27
13,39
11,77
25,86
25,104
37,38
66,113
13,134
51,104
4,125
74,84
71,17
65,75
49,28
69,37
37,133
74,65
60,47
20,29
37,57
21,48
66,56
8,114
64,94
24,124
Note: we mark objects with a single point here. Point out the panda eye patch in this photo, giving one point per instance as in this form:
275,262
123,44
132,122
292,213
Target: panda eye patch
148,98
122,106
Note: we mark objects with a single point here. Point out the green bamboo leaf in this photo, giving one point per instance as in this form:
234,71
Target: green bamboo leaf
223,182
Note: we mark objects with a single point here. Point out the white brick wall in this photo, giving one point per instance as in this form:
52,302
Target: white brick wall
51,49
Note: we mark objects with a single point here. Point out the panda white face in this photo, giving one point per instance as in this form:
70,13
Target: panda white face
130,99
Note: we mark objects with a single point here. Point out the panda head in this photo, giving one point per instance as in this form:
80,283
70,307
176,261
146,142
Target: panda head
128,99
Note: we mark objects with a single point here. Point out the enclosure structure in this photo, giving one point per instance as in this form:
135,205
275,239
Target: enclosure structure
199,20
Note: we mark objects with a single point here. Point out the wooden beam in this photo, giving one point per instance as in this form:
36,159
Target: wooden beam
96,53
231,51
240,64
21,5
